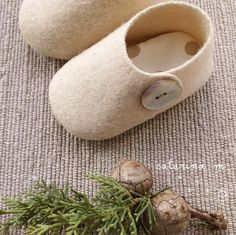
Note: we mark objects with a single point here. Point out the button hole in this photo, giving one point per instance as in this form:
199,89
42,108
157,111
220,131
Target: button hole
164,94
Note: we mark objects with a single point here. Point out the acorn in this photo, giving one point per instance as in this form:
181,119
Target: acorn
172,213
133,175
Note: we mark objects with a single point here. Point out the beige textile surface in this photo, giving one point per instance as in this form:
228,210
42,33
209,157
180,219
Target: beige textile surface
200,132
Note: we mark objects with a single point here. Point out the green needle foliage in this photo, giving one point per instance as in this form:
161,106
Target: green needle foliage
50,210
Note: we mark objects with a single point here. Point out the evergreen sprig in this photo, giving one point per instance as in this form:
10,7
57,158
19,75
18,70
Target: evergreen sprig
50,210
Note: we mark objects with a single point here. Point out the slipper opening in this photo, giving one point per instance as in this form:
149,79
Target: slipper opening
165,37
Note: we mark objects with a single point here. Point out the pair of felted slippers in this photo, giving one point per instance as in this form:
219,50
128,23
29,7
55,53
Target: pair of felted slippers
118,80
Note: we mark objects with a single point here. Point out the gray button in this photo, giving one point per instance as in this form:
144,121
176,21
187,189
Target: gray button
161,94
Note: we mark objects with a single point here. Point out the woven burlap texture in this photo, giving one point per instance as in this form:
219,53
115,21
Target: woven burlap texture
200,132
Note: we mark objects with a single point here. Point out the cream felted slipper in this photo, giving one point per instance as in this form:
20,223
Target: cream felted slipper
157,59
64,28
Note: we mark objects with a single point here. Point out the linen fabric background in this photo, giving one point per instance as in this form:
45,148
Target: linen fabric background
200,132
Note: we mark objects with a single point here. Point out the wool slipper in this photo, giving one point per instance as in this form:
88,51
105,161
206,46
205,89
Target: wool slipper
64,28
154,61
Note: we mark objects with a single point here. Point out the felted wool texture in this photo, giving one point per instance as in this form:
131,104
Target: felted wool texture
97,95
64,28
